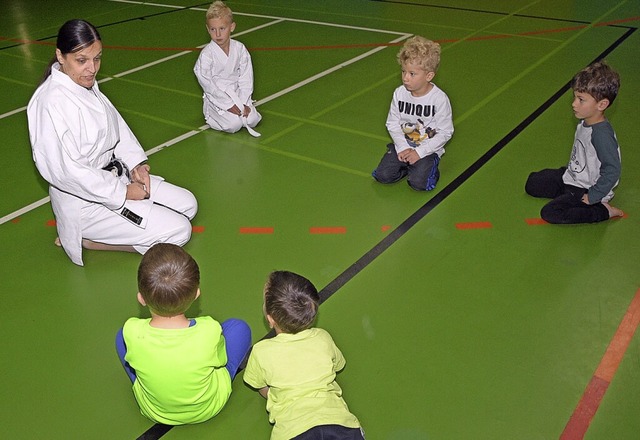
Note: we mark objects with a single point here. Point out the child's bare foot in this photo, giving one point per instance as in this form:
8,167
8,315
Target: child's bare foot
613,211
57,242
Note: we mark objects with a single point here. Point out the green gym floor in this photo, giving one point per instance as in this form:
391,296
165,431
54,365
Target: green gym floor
461,314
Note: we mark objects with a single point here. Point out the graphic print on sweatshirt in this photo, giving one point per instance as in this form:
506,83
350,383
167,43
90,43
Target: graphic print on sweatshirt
416,132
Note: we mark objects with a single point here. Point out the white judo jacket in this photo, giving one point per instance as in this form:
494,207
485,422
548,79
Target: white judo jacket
74,133
225,79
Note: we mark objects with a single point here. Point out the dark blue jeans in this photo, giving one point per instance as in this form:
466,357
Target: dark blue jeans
421,176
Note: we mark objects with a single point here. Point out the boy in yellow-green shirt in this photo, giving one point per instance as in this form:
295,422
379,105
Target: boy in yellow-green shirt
181,368
296,370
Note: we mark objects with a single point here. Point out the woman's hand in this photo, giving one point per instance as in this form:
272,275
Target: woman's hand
136,191
140,174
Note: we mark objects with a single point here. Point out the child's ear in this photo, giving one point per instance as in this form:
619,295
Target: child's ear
197,294
271,322
430,75
603,104
233,26
141,299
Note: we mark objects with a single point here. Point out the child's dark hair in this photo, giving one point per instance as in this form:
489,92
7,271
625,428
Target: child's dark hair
598,80
291,300
168,279
73,36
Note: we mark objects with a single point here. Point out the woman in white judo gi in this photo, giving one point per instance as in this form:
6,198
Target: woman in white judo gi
225,73
102,194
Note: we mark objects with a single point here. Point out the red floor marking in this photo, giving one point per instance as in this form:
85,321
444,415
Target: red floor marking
535,221
328,230
254,230
197,229
621,340
474,225
385,228
581,418
346,46
50,223
583,414
622,20
16,220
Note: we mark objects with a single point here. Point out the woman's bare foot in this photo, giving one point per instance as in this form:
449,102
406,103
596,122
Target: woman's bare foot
94,245
97,246
613,211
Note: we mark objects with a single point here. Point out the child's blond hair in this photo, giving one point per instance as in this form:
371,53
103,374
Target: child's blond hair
219,10
418,50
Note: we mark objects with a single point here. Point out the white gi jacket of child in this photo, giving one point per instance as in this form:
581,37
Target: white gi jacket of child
74,133
225,80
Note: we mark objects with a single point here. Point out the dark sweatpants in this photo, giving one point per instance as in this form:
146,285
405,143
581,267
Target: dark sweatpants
331,432
567,206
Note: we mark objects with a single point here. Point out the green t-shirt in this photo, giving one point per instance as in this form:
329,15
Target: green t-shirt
181,374
300,371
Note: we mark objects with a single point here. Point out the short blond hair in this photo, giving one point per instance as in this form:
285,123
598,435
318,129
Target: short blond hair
219,10
418,50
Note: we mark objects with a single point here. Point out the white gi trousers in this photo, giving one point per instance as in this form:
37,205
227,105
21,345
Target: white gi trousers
167,222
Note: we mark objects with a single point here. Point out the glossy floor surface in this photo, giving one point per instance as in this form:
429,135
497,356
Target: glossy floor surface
460,314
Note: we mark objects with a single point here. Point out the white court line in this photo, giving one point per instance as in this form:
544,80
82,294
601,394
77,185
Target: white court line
328,71
297,20
24,210
191,133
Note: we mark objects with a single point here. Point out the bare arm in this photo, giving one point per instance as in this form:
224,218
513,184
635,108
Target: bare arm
264,392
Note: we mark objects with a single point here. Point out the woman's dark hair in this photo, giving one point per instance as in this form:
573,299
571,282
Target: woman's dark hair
73,36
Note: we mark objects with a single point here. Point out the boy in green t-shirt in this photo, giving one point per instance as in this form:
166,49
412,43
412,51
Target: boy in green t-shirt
181,368
296,370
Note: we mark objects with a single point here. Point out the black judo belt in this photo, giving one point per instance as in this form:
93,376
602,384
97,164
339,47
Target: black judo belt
119,169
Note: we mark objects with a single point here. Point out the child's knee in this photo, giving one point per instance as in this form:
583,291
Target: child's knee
239,328
253,118
533,184
425,180
228,125
423,184
387,175
233,126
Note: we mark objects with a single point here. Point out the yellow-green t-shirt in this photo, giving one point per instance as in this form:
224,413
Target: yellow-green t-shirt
300,371
181,374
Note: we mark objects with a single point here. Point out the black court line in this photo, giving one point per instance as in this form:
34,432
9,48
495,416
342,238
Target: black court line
480,11
158,430
414,218
141,17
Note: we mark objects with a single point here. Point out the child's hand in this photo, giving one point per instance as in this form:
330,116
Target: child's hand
235,110
409,156
246,112
585,198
